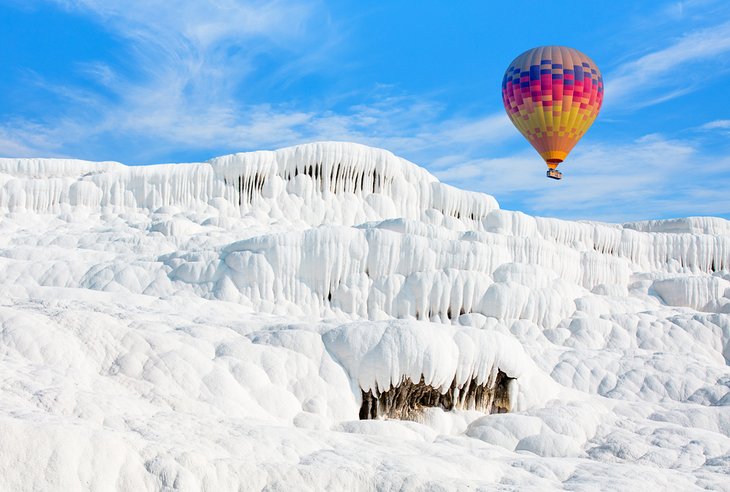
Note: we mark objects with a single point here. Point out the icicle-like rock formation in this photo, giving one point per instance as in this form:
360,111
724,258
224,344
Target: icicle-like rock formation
342,228
315,183
383,354
225,325
407,400
402,367
688,225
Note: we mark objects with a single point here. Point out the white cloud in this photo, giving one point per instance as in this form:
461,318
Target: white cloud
19,138
11,145
189,61
717,125
656,77
192,64
490,128
684,10
647,178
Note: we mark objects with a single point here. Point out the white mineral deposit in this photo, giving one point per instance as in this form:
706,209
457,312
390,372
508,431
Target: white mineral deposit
332,317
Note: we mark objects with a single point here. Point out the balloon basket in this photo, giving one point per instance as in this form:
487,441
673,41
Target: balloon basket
554,174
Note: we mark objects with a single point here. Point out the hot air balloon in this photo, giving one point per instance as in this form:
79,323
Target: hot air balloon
552,94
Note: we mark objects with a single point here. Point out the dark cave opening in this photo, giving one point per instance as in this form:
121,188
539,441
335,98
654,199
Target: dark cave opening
407,400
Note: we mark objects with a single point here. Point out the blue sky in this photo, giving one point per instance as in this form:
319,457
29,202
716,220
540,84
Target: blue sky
155,81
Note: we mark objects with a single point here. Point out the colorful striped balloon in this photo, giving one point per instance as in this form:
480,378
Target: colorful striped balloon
552,94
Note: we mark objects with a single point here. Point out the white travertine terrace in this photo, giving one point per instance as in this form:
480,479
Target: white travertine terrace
217,325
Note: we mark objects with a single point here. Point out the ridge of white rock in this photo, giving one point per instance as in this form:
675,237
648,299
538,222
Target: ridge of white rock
307,182
690,225
467,243
213,325
346,184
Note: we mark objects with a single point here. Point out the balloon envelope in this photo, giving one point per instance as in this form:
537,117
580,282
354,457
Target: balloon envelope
552,94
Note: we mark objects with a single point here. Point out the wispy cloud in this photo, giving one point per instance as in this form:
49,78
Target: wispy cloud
618,182
656,77
717,125
193,80
191,65
187,62
18,144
